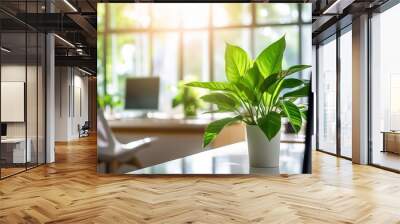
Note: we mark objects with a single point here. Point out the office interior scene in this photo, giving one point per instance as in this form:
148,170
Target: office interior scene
341,94
30,92
49,175
146,55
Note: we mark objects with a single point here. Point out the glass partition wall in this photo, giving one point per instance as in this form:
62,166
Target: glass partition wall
384,90
334,94
22,77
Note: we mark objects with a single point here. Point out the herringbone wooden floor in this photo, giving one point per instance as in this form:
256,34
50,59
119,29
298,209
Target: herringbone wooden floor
70,191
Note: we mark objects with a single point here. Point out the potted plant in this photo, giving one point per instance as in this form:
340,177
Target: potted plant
108,102
187,97
260,93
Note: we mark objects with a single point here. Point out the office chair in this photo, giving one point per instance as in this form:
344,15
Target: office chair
111,154
84,129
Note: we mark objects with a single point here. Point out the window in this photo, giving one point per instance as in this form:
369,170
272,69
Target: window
327,97
164,40
385,89
346,94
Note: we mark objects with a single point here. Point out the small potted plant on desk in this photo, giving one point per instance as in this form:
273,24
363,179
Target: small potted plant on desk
108,103
188,97
260,93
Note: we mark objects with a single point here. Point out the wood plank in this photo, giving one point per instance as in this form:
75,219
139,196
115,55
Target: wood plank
70,191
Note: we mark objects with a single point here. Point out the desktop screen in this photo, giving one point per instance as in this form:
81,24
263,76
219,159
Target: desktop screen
142,93
3,129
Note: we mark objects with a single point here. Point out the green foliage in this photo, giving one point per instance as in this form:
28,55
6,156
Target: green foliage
188,98
259,92
108,100
215,127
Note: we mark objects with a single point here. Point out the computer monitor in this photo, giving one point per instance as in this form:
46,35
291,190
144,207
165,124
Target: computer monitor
3,129
142,93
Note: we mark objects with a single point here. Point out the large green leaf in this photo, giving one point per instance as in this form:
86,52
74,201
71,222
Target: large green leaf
222,86
224,101
237,62
248,92
269,61
215,127
300,92
268,82
289,84
293,114
270,124
296,68
254,77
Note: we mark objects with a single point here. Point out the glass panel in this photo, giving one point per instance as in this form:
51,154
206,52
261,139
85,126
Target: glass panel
226,14
129,16
239,37
195,49
385,84
268,13
13,77
346,94
327,97
31,98
163,11
306,14
129,57
267,35
41,99
195,15
165,66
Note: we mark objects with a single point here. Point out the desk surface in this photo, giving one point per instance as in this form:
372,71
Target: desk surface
231,159
13,140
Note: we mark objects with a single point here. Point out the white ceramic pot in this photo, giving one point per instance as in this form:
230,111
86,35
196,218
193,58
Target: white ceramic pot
262,152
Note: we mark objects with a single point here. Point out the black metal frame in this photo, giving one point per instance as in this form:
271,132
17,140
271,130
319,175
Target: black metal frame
30,29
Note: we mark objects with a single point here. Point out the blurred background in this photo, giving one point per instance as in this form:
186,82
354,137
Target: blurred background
187,41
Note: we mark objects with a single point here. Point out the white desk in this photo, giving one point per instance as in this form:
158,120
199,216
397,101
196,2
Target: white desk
18,149
230,159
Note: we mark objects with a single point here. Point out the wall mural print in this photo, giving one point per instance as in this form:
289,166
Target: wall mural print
194,88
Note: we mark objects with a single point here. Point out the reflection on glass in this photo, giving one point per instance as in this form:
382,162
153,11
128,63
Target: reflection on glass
165,66
239,37
128,16
231,14
15,151
346,94
195,49
267,35
385,88
277,13
327,97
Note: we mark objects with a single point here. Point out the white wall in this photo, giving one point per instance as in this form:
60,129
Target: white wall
71,102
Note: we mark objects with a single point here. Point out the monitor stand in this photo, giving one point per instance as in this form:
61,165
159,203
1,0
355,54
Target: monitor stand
139,114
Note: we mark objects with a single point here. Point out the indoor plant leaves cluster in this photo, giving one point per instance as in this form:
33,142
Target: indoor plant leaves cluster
188,98
259,92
